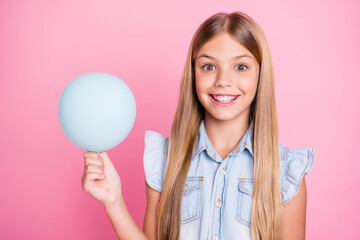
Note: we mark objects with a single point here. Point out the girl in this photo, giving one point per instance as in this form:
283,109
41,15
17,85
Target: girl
221,174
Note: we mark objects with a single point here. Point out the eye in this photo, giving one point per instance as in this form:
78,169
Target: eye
205,67
243,67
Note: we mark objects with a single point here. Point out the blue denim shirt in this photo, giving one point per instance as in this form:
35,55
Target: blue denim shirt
218,193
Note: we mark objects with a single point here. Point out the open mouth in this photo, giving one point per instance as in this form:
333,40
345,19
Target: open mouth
221,98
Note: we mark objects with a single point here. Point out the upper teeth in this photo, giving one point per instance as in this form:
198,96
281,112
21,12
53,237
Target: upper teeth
224,98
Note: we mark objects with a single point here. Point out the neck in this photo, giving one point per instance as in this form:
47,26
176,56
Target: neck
225,135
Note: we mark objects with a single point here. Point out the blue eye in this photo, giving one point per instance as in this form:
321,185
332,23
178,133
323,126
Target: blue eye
243,67
205,67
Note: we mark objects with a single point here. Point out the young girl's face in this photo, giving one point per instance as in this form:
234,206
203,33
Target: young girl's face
226,76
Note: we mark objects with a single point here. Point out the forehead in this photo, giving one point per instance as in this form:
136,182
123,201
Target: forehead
223,47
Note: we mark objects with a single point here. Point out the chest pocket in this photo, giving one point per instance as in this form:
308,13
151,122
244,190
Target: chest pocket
191,202
245,197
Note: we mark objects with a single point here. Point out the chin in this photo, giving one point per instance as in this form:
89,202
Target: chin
222,117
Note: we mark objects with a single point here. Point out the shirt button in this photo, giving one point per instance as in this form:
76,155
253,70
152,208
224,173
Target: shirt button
215,237
223,172
218,203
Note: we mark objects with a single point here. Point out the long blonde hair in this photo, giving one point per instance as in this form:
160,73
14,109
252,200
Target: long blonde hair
266,210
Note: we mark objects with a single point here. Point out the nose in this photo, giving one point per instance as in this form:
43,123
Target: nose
223,79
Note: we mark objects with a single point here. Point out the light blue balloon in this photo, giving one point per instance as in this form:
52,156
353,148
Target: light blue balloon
97,111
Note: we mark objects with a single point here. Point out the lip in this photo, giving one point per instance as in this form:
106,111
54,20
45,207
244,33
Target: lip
219,95
224,104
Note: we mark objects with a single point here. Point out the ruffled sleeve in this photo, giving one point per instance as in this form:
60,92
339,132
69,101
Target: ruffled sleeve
298,163
154,159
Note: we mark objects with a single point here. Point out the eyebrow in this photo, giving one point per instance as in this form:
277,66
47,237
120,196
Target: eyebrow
208,56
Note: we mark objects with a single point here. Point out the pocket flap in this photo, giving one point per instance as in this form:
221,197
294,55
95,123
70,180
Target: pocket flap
192,183
246,185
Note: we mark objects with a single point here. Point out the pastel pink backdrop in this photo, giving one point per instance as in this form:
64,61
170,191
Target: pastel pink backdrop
46,44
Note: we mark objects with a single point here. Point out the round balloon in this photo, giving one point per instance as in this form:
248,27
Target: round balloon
97,111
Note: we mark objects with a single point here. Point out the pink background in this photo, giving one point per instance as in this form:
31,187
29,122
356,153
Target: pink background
45,44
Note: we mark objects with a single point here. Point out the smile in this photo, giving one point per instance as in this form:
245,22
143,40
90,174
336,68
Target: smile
224,100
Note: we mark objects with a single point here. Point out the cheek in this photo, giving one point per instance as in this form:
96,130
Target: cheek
249,83
200,85
198,89
247,86
201,92
197,86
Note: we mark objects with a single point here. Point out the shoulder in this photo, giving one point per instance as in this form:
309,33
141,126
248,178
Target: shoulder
295,164
154,159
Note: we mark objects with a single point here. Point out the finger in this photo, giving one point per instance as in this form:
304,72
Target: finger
106,159
91,154
93,168
95,161
93,176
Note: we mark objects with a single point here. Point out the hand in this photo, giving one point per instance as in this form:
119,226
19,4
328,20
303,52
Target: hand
100,178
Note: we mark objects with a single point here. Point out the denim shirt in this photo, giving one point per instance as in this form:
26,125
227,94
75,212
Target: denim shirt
217,200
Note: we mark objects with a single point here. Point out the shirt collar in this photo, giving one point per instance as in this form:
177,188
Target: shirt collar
203,142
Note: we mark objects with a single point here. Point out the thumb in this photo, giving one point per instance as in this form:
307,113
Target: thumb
106,159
